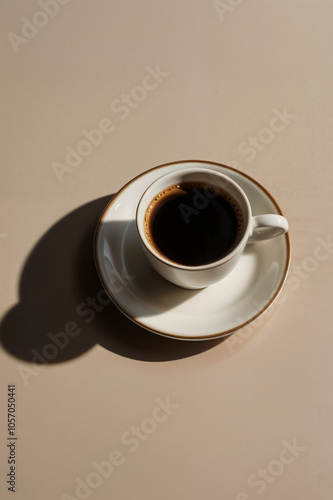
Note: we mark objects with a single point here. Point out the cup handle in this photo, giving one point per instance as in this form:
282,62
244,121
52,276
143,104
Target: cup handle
267,226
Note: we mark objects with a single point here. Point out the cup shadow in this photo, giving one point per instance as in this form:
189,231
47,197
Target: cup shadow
58,282
124,264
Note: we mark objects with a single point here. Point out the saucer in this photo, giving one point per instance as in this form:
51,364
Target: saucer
163,308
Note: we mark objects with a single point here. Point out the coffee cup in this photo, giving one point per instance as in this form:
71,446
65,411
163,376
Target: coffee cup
194,225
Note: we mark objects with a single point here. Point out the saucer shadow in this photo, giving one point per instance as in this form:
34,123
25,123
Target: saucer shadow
59,287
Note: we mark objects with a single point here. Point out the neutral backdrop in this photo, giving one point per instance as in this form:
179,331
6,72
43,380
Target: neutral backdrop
222,71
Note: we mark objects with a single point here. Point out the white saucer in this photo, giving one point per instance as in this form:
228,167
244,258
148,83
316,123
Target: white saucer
161,307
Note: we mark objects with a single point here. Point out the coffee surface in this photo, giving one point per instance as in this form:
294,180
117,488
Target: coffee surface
193,225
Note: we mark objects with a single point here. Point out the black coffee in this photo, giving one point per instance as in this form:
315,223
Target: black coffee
193,225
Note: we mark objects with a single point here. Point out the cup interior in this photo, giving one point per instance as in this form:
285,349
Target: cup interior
212,184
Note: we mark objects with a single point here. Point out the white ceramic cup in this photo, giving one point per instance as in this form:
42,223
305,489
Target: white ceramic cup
253,228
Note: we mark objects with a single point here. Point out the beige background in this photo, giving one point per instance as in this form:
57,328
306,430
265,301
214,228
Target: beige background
239,400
